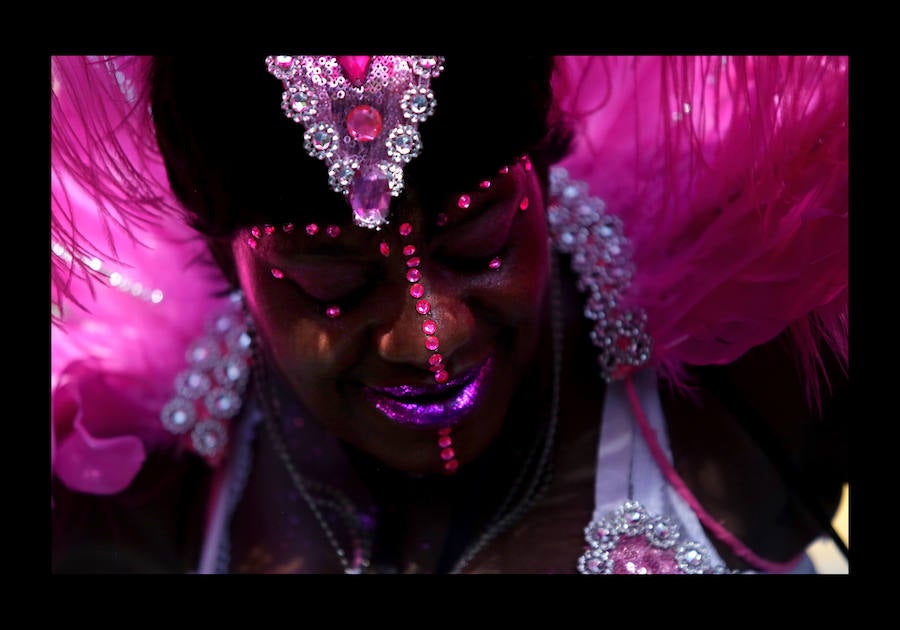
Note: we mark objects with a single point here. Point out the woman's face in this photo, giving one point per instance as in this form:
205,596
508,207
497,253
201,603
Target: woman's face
371,373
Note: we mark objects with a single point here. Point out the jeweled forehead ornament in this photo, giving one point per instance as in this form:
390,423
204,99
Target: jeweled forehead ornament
362,117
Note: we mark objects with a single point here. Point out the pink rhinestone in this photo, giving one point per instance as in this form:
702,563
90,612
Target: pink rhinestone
333,231
444,431
255,231
485,184
417,291
409,250
444,441
270,229
451,466
523,205
447,454
288,227
333,311
527,163
405,229
495,263
413,275
364,123
385,249
312,229
504,170
441,376
464,201
441,220
432,342
429,326
413,262
422,306
435,359
252,242
278,273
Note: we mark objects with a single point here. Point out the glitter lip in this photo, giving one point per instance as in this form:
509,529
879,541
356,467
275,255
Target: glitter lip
431,406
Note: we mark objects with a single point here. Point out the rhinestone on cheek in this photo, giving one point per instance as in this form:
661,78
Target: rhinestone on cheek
413,275
405,229
422,306
333,311
504,170
495,263
485,184
252,242
464,201
277,273
385,249
333,231
417,291
429,327
312,229
523,205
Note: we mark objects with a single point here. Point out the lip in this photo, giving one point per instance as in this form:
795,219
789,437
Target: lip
431,406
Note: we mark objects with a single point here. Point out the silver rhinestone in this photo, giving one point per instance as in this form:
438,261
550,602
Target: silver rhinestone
178,415
209,437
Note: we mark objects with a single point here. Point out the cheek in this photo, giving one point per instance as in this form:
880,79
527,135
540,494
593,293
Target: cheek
294,329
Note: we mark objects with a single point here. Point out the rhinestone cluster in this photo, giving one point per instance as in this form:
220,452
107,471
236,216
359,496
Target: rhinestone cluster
366,128
600,255
209,391
632,540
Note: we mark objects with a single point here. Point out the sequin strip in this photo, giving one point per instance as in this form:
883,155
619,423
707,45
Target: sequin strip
209,392
601,257
631,540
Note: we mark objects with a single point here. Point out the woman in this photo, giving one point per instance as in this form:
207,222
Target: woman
437,351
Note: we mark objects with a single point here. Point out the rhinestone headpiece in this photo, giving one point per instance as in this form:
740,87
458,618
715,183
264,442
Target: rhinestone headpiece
361,116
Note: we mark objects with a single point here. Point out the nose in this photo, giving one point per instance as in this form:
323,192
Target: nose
407,339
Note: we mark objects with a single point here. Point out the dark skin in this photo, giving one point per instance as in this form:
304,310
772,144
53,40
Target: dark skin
727,471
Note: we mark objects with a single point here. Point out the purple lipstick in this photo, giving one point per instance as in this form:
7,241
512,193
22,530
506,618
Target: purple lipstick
431,406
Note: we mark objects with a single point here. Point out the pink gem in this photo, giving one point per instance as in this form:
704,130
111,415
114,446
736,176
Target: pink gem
333,311
527,162
288,227
432,342
405,229
270,229
255,231
523,205
429,326
354,67
385,249
364,123
435,359
422,306
413,262
445,440
409,250
451,466
447,454
485,184
252,242
413,275
441,376
333,231
444,431
417,291
278,273
464,201
312,229
370,197
504,170
441,220
495,263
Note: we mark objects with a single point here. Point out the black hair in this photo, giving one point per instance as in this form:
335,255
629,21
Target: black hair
234,160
